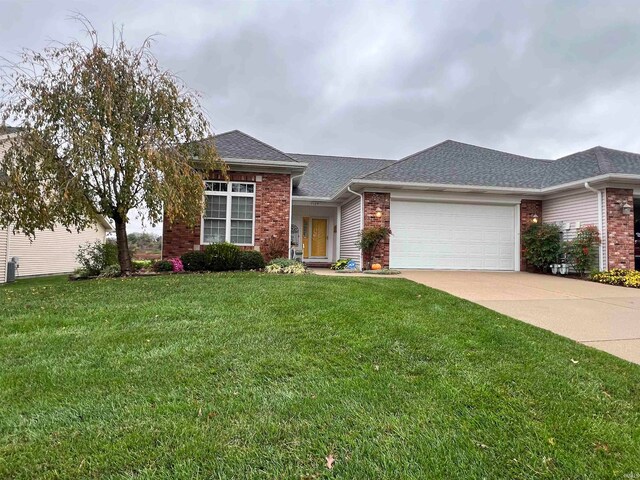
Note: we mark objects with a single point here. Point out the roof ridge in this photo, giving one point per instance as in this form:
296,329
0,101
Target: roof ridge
604,164
259,141
343,156
498,151
405,158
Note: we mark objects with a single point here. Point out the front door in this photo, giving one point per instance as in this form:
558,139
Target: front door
318,237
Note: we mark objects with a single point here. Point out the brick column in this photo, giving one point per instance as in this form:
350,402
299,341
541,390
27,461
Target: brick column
528,208
373,201
620,234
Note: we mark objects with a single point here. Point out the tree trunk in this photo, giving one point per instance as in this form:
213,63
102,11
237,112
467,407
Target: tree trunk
124,257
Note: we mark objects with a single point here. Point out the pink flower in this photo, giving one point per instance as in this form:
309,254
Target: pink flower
176,264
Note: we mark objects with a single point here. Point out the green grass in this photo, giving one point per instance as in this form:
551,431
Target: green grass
255,376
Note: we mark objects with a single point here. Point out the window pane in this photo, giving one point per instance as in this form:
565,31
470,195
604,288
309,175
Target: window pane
241,231
215,206
214,231
211,186
242,187
242,208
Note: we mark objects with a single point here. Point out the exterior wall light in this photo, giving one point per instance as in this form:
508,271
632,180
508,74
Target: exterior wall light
534,219
626,209
378,212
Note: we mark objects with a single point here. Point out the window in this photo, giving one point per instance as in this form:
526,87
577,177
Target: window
229,212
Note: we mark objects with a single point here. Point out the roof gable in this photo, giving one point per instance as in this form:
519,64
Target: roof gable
237,144
455,163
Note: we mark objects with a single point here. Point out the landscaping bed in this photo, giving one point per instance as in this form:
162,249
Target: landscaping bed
250,375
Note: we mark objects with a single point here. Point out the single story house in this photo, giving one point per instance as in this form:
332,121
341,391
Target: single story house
450,206
51,251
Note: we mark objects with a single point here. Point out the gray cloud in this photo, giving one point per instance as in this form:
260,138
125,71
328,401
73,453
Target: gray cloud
385,79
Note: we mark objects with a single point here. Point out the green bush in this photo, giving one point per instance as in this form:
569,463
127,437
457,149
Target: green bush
582,251
370,238
194,261
542,244
141,264
222,257
287,266
111,271
251,260
340,264
162,266
95,257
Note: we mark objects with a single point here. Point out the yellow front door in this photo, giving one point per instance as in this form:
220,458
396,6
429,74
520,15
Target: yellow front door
318,237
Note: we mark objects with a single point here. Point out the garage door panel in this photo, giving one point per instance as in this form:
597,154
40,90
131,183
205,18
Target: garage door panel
452,236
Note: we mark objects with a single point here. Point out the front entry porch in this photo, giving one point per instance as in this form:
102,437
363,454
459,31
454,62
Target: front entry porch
314,233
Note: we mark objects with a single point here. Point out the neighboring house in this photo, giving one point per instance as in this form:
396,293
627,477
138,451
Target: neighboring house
451,206
51,251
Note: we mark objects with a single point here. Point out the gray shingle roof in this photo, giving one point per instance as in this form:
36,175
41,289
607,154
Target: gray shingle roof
237,144
447,163
590,163
455,163
326,175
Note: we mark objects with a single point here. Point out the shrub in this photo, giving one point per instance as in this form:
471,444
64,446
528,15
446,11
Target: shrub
111,271
286,266
251,260
370,238
275,247
194,261
162,266
222,257
340,264
582,251
141,264
176,265
618,276
542,244
95,257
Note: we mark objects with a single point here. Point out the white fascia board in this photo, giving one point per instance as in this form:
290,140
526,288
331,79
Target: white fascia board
266,163
389,185
442,186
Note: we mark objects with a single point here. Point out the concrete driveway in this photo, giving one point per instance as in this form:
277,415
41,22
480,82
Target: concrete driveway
601,316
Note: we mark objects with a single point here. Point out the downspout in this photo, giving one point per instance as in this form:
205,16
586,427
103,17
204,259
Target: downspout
361,216
603,253
291,250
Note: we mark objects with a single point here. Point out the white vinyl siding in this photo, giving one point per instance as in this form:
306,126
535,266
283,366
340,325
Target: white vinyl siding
4,255
52,251
571,210
456,236
350,230
582,208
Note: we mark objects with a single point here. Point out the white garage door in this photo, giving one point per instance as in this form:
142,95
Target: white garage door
452,236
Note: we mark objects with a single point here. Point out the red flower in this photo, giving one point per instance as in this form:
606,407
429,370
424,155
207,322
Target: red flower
585,250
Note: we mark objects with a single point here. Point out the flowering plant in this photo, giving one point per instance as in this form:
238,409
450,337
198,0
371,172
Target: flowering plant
176,265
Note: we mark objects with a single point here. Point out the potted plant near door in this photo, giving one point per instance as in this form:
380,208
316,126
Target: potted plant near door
370,238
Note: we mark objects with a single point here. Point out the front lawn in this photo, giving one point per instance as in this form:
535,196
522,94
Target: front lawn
258,376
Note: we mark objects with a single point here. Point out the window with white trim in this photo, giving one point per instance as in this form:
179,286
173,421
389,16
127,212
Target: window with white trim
229,214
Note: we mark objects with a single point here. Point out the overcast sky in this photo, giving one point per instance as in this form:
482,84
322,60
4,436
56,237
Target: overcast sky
385,79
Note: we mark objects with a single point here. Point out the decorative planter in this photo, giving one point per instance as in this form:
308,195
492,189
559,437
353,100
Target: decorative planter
564,268
554,268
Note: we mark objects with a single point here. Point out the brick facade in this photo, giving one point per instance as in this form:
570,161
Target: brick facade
273,205
372,201
620,229
528,208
